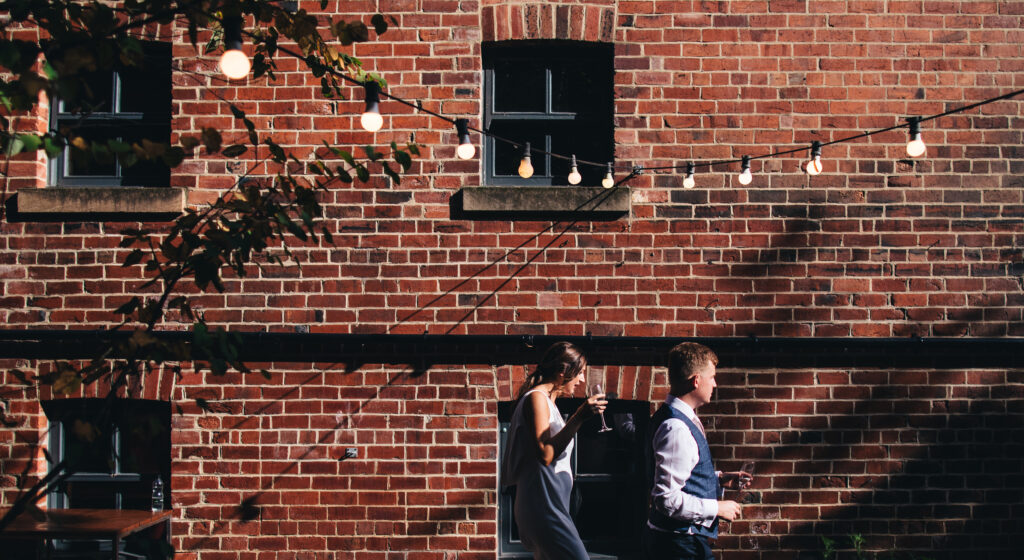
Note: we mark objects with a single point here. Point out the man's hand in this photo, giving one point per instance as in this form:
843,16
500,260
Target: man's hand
729,510
735,480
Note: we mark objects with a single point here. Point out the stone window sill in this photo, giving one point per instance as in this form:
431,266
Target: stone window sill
504,203
132,203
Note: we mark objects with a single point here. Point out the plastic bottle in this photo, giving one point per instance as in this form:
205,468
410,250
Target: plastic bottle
158,494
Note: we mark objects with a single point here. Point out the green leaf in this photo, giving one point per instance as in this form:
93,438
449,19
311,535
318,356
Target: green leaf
52,147
362,173
30,141
234,150
119,147
371,153
15,146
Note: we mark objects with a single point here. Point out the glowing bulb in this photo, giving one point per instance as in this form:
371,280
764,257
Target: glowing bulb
525,167
371,121
916,146
466,150
574,173
688,180
746,177
814,164
234,64
608,181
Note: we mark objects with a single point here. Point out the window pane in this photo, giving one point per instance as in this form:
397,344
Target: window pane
507,157
145,438
145,172
87,444
95,94
97,161
574,84
91,495
139,91
609,513
519,86
589,143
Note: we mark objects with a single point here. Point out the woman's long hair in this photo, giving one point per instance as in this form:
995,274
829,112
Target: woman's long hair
561,358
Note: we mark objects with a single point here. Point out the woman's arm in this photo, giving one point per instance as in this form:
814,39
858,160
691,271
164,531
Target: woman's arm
538,420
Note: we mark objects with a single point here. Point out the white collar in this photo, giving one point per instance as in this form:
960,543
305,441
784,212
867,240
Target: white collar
681,406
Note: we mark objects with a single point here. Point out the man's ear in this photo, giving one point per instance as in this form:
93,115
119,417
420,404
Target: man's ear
687,385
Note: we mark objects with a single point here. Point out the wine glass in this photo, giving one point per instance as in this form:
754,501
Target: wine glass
595,389
748,468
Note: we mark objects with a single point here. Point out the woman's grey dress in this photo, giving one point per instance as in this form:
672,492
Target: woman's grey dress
542,493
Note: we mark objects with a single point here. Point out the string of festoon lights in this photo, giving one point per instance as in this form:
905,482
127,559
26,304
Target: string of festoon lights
235,65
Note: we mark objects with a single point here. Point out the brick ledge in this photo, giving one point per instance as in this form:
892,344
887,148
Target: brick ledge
541,202
113,201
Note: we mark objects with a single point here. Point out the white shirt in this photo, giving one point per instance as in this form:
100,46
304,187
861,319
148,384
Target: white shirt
675,456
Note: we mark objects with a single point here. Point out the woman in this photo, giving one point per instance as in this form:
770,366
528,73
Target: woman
537,457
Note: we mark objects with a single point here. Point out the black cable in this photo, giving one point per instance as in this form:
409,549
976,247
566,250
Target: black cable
419,107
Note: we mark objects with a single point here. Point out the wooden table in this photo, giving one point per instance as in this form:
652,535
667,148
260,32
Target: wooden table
101,524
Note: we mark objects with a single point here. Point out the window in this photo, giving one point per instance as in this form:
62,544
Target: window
557,95
609,494
114,451
128,104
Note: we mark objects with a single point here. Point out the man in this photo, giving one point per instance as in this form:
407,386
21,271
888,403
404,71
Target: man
686,490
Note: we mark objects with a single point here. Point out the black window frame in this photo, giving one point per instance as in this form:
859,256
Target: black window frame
592,122
630,482
113,415
152,123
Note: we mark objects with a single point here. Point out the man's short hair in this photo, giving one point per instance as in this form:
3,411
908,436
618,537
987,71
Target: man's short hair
685,359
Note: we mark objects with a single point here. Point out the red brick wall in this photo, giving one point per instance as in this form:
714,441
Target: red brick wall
876,246
914,460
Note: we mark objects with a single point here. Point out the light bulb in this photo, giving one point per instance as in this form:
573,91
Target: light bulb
234,64
574,173
745,176
608,181
466,150
371,120
813,166
525,166
688,181
916,146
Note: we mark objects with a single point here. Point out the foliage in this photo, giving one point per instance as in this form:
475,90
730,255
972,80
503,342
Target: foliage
831,550
76,41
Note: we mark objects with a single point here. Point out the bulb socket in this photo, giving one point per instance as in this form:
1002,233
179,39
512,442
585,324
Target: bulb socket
232,26
372,91
462,128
